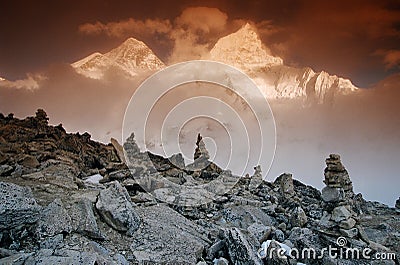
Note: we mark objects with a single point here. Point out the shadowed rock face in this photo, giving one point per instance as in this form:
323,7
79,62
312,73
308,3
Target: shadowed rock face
53,211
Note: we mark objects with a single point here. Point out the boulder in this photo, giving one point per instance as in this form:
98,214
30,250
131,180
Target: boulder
84,220
278,235
239,249
116,209
347,224
259,231
330,194
398,203
285,183
18,208
298,217
340,213
53,220
353,232
166,237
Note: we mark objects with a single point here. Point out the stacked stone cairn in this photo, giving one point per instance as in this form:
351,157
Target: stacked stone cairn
338,197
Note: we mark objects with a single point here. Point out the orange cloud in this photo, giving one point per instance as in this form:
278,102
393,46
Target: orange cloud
127,27
31,82
391,58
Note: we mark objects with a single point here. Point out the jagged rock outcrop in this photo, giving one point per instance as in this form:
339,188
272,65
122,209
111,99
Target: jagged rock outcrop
201,150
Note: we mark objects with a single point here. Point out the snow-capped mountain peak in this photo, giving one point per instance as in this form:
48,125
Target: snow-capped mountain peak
132,57
243,49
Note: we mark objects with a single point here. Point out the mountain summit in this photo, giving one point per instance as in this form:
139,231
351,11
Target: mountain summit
132,57
243,49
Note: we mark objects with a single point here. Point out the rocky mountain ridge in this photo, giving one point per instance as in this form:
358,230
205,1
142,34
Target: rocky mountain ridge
66,199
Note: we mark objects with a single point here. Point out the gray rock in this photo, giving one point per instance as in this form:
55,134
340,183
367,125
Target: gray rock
53,220
18,208
273,256
132,150
120,259
278,235
259,231
298,217
285,183
220,261
177,160
398,203
256,179
167,237
347,224
353,232
115,207
340,213
17,259
298,234
6,170
326,220
119,150
240,251
330,194
84,220
212,252
69,257
52,242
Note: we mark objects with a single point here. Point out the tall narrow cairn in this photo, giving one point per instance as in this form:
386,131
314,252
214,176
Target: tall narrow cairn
337,196
201,150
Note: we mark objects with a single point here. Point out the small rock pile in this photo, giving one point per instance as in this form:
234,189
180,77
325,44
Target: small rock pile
337,196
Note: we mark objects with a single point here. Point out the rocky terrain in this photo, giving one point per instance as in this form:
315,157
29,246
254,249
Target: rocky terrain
66,199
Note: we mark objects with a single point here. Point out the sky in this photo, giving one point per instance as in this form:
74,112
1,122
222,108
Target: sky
359,40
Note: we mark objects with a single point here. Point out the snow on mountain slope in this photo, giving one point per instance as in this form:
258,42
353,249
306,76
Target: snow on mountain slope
244,50
131,57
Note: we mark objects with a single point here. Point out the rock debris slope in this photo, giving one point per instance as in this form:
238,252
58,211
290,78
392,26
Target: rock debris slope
54,209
